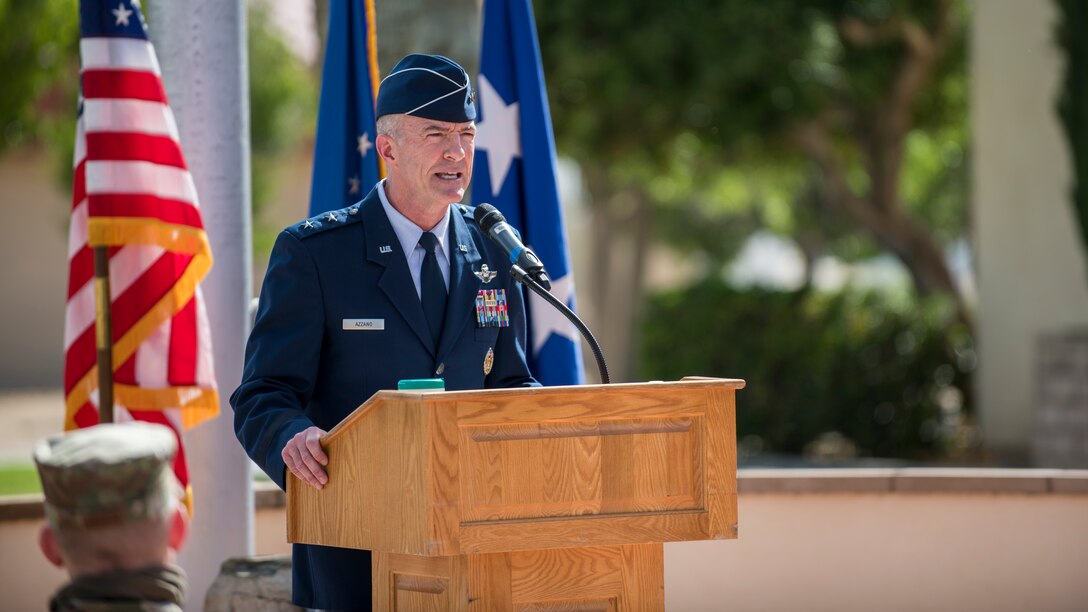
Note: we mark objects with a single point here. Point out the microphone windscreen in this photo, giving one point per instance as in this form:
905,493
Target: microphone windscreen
486,216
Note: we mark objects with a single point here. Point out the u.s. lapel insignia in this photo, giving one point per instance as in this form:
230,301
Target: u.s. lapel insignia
463,248
489,360
385,249
485,274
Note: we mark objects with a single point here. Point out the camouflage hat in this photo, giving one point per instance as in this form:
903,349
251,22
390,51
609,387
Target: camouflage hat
108,474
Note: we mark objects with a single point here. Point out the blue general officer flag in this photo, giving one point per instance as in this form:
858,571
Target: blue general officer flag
346,165
515,171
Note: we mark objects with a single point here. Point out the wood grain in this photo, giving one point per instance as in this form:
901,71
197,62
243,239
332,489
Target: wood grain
545,499
570,605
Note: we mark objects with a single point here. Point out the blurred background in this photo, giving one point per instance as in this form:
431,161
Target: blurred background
874,211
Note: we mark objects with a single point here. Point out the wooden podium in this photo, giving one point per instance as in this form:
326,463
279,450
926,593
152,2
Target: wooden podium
546,499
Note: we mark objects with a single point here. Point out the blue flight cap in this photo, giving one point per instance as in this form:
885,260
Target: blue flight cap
427,86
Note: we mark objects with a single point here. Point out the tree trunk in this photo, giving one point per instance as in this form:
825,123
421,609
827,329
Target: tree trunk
621,234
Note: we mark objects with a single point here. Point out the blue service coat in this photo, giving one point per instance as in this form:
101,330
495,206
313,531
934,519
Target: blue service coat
303,367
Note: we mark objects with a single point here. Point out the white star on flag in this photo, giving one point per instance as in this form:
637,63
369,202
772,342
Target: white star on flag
547,319
364,144
122,14
499,134
354,185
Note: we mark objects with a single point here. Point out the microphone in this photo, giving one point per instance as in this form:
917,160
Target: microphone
495,226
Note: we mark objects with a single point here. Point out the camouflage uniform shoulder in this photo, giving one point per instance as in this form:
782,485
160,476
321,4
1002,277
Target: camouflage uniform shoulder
326,221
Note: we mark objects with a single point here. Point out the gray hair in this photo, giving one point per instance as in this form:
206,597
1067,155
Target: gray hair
390,125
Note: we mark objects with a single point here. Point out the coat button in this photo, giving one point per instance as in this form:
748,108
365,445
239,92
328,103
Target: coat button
441,368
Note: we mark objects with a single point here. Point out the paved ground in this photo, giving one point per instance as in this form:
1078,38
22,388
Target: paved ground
25,417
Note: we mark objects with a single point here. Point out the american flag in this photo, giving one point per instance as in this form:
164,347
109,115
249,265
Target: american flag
133,194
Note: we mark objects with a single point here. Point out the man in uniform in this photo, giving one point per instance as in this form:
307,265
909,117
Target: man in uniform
387,289
114,517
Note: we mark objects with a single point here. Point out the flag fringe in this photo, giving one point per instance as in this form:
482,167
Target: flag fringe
177,298
120,231
372,60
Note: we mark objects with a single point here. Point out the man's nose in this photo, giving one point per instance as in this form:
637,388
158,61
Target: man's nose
455,150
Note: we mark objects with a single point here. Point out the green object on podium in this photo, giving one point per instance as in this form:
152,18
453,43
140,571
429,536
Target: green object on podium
421,384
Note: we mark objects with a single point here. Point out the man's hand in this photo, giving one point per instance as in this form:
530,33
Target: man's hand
305,457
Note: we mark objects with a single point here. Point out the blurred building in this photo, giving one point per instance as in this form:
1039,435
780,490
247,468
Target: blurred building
1031,262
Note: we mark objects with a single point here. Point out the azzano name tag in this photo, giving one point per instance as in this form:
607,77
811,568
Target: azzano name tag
364,324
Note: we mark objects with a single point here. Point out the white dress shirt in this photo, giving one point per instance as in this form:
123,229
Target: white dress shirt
408,234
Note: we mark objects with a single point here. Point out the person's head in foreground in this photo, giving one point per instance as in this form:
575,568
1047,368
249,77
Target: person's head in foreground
113,507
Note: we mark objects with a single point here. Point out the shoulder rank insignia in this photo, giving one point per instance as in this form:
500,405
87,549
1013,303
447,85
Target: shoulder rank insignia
485,274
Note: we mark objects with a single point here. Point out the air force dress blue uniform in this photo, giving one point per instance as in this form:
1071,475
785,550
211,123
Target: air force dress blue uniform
338,320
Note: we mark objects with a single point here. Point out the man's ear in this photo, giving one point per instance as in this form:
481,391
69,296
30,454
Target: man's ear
47,541
179,528
384,145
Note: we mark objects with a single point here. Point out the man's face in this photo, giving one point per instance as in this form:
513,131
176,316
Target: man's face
432,160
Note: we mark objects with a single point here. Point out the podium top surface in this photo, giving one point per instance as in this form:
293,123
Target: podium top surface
687,383
447,473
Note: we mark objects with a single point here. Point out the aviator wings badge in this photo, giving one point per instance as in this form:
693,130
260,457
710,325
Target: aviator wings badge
485,274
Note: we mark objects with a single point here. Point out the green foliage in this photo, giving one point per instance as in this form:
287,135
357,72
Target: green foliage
1073,104
696,105
19,479
282,101
894,378
627,78
22,479
39,49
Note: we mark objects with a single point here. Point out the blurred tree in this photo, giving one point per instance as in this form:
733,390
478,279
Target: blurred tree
840,123
445,27
1073,104
283,95
39,49
891,375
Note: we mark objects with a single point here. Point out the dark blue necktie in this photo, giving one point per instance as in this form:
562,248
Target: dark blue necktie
432,288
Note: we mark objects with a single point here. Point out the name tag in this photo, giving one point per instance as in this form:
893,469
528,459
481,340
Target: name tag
364,324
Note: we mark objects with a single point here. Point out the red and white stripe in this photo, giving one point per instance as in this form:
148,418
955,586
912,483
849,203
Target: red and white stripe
129,169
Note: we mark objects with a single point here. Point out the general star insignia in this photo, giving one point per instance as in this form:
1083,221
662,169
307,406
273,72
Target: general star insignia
332,217
485,274
308,225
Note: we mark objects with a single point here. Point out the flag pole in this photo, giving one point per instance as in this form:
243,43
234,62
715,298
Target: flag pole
103,334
